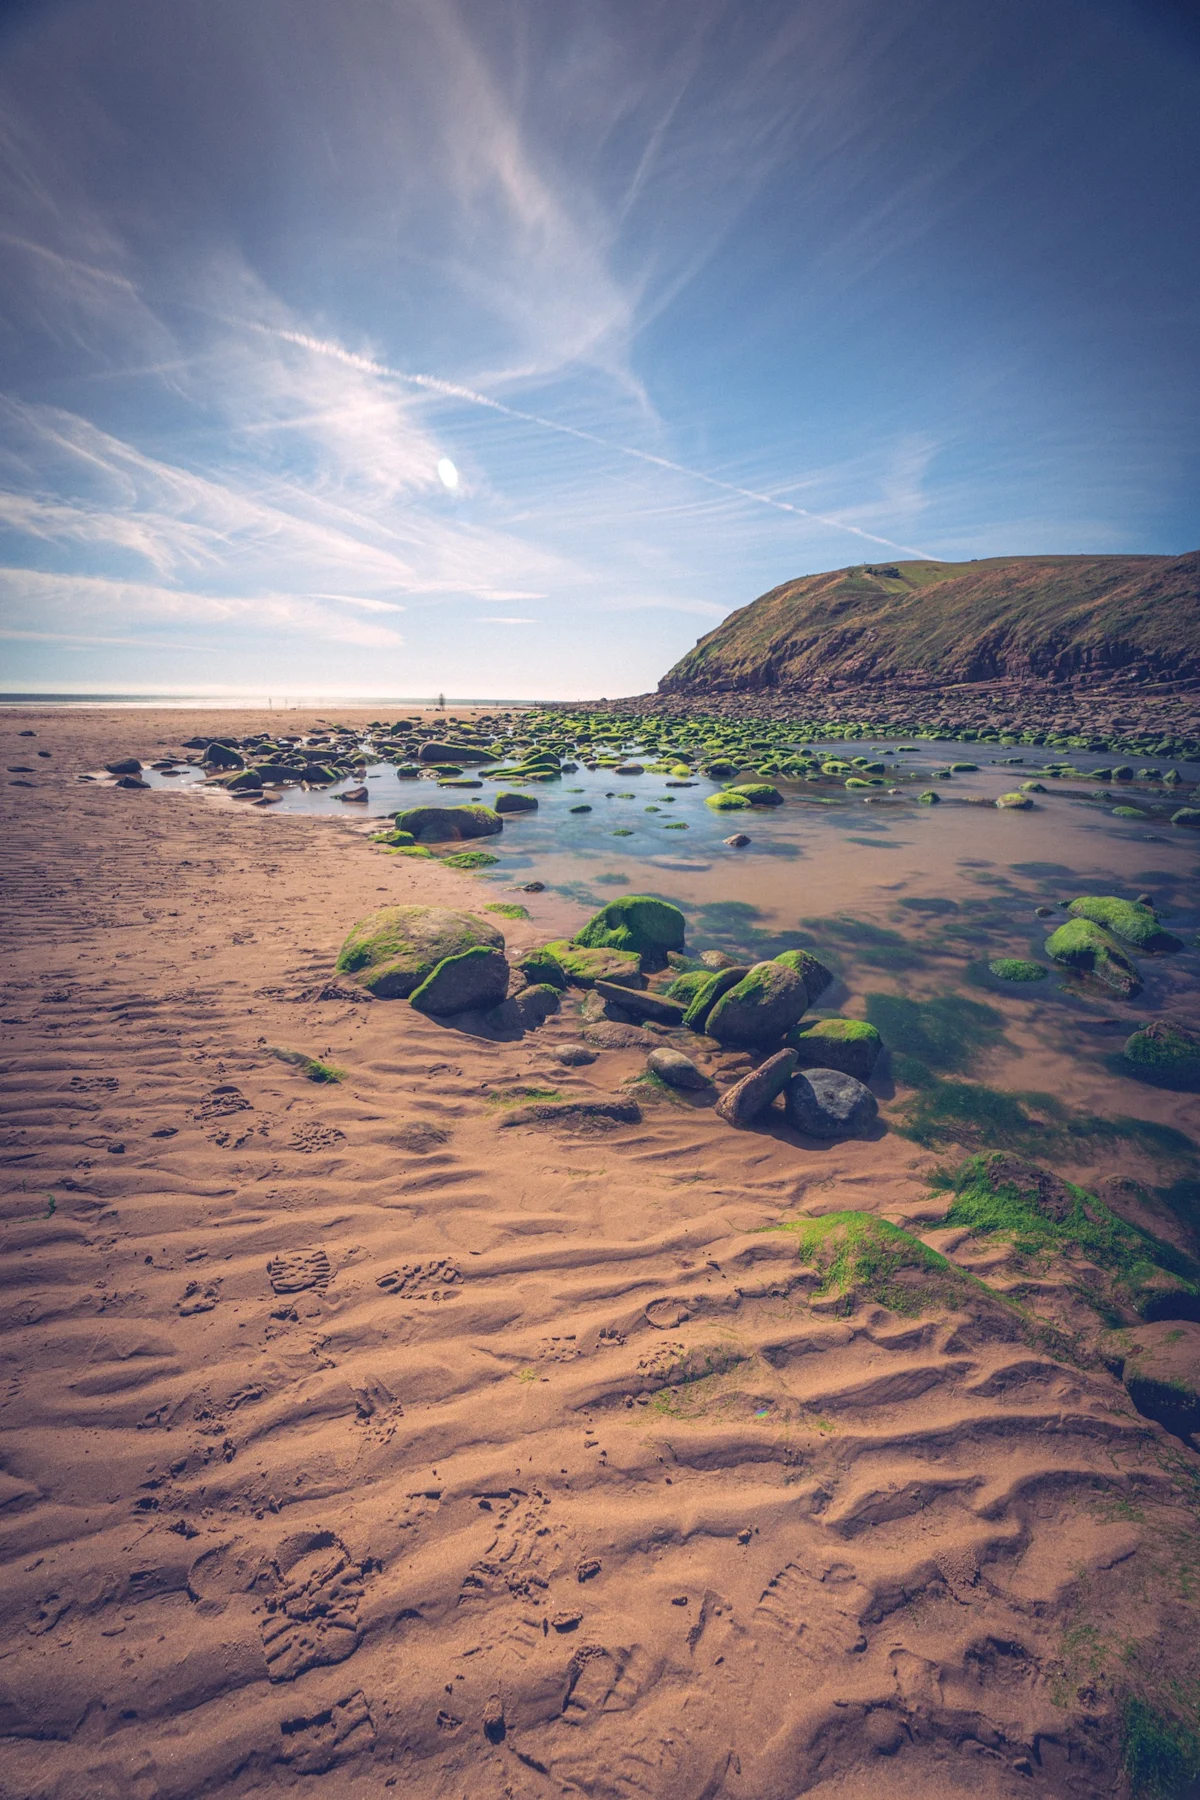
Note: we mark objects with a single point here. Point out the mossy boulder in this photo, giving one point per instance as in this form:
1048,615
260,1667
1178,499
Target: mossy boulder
219,756
583,966
515,803
1127,919
1187,815
435,752
849,1045
541,967
997,1195
758,793
394,840
472,981
1016,802
929,798
706,996
757,1010
1015,968
1165,1052
1090,950
685,987
391,951
636,922
442,824
815,976
728,800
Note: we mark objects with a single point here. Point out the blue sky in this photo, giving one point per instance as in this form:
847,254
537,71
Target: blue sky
693,297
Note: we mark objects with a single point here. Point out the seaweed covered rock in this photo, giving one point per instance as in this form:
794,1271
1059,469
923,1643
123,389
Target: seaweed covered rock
750,1097
727,801
1042,1216
1016,802
1135,923
758,793
685,987
815,976
849,1045
1016,968
709,992
435,752
542,968
635,1004
757,1010
1188,816
825,1103
1165,1052
583,966
638,923
1090,950
441,824
472,981
515,803
854,1257
391,951
1160,1366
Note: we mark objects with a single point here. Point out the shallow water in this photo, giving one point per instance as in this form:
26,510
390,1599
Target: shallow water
897,898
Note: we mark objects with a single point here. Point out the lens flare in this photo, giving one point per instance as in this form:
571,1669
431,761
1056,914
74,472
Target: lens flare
448,473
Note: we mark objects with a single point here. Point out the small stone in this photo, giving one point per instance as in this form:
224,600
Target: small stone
738,841
824,1103
493,1720
588,1568
573,1056
883,1732
742,1104
567,1621
717,960
128,765
676,1069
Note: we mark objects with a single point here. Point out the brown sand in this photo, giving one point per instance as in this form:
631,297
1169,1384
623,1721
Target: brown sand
351,1436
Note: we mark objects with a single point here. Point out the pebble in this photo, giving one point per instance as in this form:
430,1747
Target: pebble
676,1069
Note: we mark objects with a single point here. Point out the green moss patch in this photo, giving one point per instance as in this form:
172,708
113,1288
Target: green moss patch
860,1257
1013,968
1126,919
1042,1215
638,923
471,859
507,909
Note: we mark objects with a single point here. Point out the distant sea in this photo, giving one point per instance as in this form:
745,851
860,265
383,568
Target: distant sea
273,702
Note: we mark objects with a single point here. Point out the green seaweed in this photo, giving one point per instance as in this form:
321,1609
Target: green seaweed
1160,1754
857,1255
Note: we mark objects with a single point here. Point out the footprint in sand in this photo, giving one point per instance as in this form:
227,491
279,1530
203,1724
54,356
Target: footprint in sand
665,1314
199,1297
312,1620
298,1270
314,1743
423,1281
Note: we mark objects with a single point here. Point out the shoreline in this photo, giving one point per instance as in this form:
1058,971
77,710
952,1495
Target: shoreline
351,1434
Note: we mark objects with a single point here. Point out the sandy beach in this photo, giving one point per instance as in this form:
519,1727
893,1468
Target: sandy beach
357,1439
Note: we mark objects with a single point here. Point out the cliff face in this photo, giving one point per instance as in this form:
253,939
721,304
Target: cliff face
923,626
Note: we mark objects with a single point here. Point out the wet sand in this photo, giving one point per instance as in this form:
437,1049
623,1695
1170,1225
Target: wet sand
351,1434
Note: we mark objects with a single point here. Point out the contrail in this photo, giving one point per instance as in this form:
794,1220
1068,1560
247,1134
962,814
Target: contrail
451,390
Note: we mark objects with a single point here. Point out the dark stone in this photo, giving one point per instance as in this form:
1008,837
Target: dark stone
639,1005
472,981
824,1103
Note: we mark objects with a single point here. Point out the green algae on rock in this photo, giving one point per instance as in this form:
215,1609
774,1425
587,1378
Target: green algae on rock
1015,968
583,965
391,951
474,980
1165,1052
438,824
851,1046
757,1010
728,800
1088,949
709,992
470,859
1127,919
636,922
856,1257
815,976
1017,802
515,803
997,1195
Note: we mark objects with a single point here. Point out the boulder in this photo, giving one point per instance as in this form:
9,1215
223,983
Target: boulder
573,1056
738,841
471,981
391,951
758,793
717,960
515,803
606,1034
1127,919
757,1010
317,775
542,969
638,923
249,781
685,987
639,1005
1090,950
582,967
128,765
825,1103
220,756
440,824
706,997
815,976
727,801
453,753
1017,802
1167,1052
535,1004
1187,815
676,1069
850,1046
754,1093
